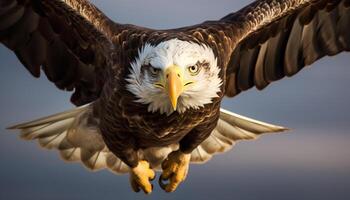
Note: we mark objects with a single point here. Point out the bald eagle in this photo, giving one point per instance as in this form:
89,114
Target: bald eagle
150,99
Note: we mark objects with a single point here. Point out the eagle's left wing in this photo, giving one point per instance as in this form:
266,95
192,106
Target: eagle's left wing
271,39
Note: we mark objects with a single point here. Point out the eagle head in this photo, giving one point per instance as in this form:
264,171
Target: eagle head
174,75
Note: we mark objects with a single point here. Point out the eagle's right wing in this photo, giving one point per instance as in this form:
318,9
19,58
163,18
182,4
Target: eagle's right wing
69,40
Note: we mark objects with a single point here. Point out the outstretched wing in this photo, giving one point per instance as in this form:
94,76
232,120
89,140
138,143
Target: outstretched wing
271,39
69,40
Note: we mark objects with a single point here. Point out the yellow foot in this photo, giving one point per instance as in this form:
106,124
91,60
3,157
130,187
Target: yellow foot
140,177
175,169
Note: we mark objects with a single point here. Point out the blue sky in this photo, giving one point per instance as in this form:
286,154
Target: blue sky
312,161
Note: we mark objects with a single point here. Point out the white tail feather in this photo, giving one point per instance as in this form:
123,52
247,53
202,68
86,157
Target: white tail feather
231,127
77,140
70,133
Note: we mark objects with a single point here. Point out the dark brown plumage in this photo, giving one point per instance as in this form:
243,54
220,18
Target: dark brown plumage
80,49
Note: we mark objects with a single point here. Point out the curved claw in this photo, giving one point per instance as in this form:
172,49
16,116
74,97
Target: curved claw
140,177
175,169
161,183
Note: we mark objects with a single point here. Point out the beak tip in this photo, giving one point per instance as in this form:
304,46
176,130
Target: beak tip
173,106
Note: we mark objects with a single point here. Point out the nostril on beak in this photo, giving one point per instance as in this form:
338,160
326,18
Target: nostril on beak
178,75
167,75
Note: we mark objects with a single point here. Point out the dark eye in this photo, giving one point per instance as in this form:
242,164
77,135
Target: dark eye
194,70
154,71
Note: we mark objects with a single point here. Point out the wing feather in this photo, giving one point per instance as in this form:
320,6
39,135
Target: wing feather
307,33
271,39
68,40
245,77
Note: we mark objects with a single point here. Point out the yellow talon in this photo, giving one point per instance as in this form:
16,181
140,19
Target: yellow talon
140,177
175,169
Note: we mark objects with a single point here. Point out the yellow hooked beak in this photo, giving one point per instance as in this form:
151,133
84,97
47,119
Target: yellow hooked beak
174,83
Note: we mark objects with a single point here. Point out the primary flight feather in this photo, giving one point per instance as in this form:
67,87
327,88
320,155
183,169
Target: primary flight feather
150,99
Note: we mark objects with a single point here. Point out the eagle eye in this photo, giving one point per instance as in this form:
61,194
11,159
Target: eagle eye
194,69
154,71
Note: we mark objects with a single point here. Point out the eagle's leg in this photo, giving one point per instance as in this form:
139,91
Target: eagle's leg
140,177
175,169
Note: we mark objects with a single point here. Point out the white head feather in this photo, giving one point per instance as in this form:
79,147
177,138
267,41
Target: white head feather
183,54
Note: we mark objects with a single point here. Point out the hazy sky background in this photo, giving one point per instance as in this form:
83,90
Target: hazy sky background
310,162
